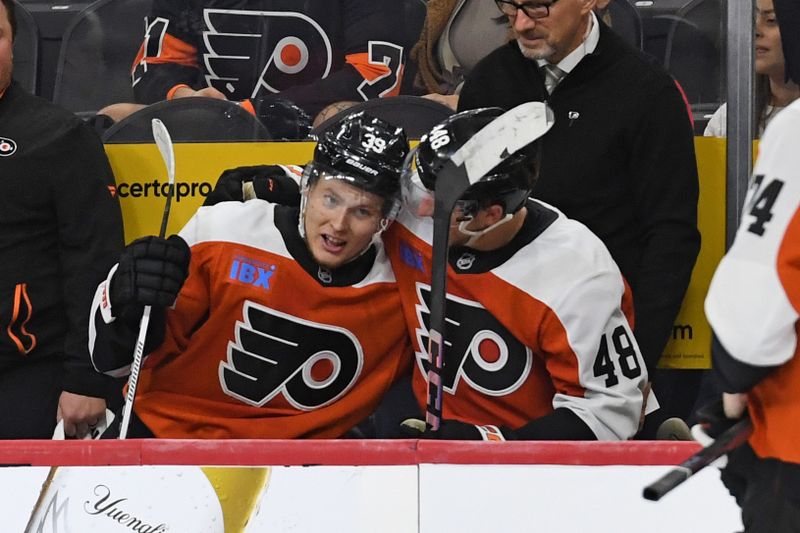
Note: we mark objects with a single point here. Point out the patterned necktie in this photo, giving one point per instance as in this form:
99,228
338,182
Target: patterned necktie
552,76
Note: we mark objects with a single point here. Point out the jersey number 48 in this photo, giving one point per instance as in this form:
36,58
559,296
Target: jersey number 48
626,357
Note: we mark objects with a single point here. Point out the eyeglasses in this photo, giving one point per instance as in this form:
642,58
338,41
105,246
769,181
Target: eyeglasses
532,10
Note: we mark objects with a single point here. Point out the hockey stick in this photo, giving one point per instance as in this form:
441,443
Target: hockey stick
486,149
51,474
164,143
731,439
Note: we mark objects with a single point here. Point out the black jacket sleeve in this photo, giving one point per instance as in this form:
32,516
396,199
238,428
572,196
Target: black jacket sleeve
666,192
90,238
732,375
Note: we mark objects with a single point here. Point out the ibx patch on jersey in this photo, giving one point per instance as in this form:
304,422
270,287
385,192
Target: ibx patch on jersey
7,147
411,257
252,272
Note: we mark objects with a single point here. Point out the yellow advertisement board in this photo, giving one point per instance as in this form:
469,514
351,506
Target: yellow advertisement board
142,184
690,344
142,178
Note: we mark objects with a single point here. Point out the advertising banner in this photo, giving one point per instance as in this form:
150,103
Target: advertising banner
424,498
189,499
142,178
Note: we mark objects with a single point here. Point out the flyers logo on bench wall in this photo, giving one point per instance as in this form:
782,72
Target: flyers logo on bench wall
7,147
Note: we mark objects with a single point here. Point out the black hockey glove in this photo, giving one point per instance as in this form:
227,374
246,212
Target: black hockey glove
282,118
269,183
151,272
451,430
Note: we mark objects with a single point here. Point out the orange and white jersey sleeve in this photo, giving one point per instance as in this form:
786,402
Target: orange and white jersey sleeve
541,324
754,297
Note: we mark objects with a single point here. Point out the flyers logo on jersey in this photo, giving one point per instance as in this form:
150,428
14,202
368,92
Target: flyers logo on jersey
235,42
7,147
274,354
478,350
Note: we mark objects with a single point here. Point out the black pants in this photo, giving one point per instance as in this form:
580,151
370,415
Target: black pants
398,404
766,490
29,395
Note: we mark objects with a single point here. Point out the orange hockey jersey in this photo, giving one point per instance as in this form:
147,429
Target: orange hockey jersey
262,342
542,323
753,303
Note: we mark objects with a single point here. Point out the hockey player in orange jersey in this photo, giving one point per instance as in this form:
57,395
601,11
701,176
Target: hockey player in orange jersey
753,306
539,341
276,322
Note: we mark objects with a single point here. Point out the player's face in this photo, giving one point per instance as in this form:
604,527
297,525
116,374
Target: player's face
554,36
340,221
474,222
769,52
6,47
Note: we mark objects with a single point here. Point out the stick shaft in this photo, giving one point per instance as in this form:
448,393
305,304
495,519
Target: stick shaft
441,228
133,380
731,439
450,186
165,217
165,148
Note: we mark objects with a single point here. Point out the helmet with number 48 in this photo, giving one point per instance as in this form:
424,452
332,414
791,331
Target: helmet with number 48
508,184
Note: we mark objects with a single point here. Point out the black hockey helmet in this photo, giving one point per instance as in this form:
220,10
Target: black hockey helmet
509,183
364,151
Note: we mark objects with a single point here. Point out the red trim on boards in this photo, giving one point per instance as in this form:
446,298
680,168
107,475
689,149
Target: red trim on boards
338,452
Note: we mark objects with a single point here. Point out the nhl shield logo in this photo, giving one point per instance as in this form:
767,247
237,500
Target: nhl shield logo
466,261
7,147
324,275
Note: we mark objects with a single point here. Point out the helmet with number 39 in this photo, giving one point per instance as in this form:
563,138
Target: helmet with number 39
364,151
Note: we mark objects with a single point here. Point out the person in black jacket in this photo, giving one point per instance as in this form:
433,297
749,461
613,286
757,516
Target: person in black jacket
61,230
620,158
